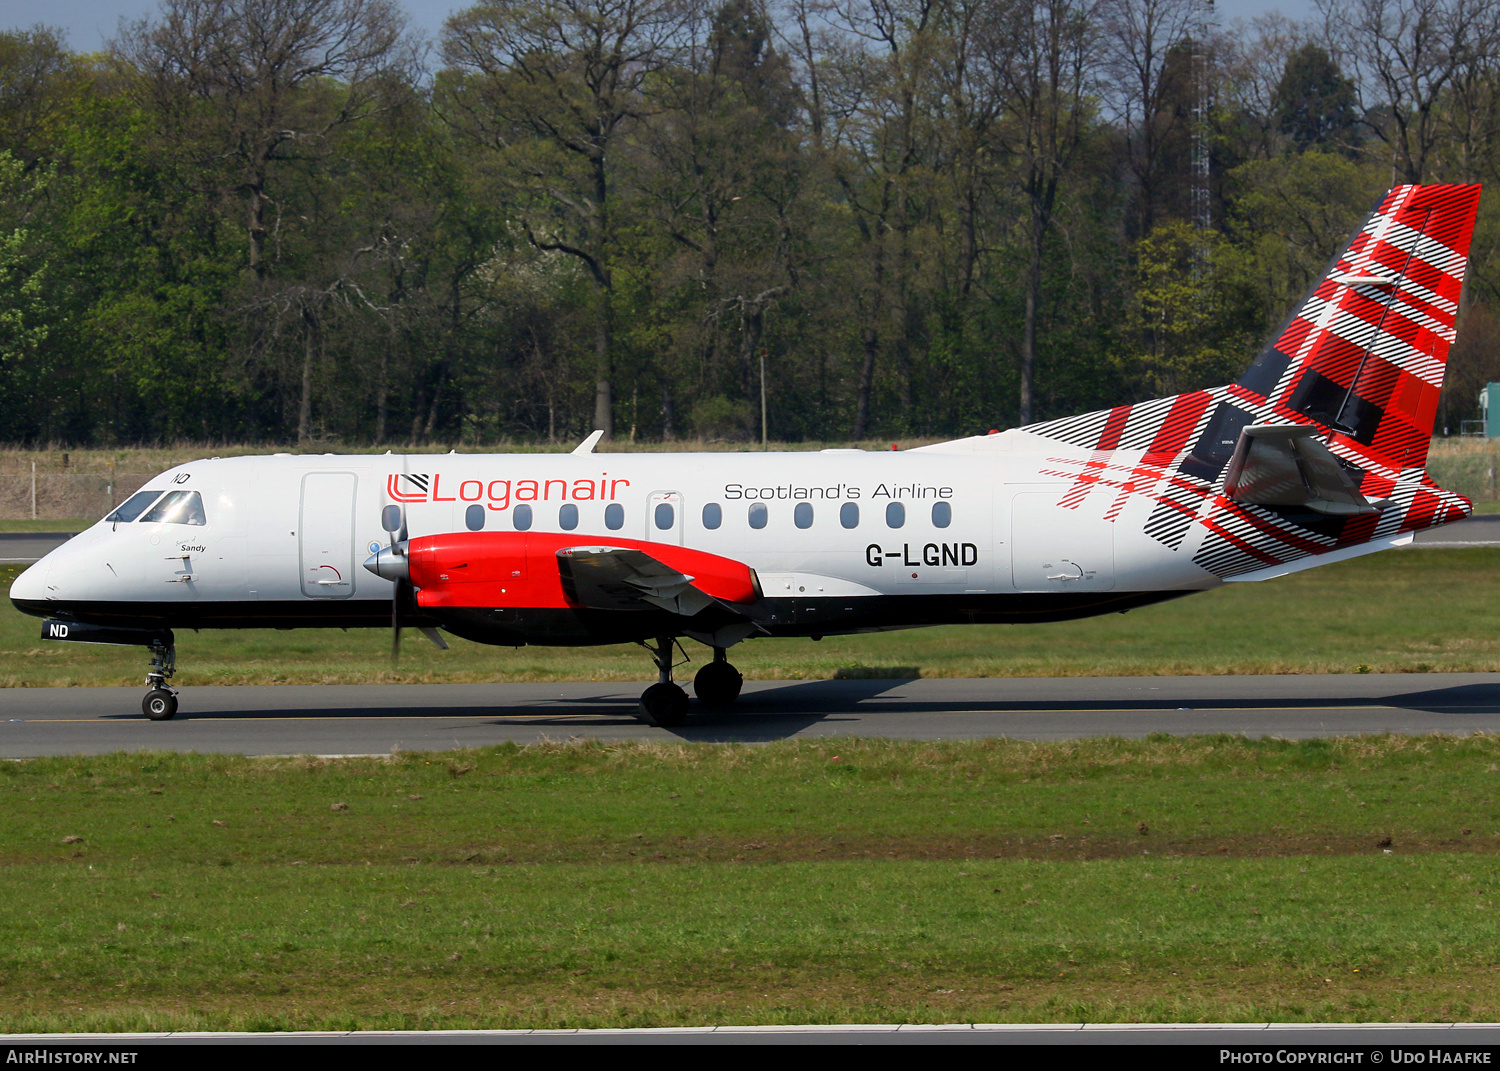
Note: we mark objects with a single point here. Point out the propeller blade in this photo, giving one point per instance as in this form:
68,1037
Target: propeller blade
391,564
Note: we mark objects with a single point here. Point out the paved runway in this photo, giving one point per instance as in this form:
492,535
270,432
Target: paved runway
22,548
373,719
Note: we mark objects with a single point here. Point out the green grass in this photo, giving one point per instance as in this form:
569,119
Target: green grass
1400,611
1466,466
67,525
586,885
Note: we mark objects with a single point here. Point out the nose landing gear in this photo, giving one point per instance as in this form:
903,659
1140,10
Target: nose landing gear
160,703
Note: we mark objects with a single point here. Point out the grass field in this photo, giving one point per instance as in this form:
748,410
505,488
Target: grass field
1214,879
1400,611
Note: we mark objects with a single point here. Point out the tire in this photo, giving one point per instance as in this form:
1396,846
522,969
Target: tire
718,685
159,704
665,705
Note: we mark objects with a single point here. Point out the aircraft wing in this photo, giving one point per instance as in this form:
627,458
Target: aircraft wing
624,578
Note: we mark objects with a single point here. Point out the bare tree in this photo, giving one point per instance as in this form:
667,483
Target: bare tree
552,84
1411,61
876,91
1254,60
1045,55
725,180
1141,37
35,72
1472,118
264,81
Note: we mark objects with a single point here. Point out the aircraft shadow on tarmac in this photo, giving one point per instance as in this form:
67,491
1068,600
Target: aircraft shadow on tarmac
782,710
774,713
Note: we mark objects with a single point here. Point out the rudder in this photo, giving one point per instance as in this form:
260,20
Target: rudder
1364,356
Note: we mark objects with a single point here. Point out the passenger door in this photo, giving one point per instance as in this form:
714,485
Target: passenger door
325,534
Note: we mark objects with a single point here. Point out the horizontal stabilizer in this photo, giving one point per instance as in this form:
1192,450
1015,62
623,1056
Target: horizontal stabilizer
1275,465
1312,561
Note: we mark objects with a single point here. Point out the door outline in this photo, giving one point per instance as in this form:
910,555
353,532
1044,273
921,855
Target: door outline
669,535
335,568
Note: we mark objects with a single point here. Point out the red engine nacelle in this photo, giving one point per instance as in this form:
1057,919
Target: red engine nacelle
519,569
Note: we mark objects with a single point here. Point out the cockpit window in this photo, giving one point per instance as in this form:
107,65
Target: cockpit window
132,507
179,507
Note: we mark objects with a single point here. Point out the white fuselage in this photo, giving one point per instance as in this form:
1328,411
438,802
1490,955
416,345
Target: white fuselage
990,516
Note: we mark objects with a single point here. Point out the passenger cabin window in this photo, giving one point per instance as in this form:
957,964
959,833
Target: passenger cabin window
757,515
179,507
802,516
521,518
713,516
390,518
474,518
665,516
942,515
614,516
895,515
132,507
567,517
849,514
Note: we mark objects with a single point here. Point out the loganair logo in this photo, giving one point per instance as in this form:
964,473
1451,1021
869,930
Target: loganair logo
408,488
411,488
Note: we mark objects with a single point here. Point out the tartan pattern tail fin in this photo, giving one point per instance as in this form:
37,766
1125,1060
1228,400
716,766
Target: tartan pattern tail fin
1361,360
1364,356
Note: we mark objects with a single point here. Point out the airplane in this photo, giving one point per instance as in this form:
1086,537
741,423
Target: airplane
1316,454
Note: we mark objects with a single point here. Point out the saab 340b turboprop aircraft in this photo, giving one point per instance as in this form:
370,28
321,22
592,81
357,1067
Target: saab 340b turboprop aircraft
1316,454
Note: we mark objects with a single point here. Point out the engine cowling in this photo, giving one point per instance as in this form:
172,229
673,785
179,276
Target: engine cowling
520,569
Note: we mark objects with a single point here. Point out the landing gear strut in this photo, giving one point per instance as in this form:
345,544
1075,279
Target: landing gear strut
664,703
160,702
718,684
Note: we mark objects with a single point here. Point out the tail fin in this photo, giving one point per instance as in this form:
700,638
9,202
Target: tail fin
1364,357
1361,361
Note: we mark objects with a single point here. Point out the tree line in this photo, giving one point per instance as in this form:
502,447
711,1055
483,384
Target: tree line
298,221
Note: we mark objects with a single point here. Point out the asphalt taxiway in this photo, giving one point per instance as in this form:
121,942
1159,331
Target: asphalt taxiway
377,719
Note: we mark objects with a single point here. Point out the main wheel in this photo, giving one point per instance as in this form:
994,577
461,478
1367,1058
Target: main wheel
159,704
665,705
718,685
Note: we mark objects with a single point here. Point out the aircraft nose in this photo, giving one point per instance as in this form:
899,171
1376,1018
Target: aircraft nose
390,563
31,585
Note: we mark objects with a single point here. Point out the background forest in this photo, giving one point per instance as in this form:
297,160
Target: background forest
295,221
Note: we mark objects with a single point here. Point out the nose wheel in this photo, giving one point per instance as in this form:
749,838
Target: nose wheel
160,703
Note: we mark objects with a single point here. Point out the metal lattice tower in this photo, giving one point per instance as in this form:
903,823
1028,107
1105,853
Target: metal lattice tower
1203,25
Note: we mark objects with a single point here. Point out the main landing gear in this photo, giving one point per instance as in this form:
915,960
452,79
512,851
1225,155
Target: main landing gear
665,704
718,684
160,703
